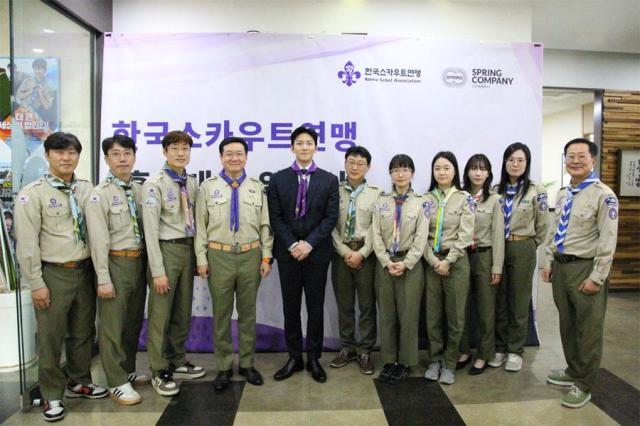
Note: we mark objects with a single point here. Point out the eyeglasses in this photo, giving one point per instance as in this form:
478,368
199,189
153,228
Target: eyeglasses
401,171
121,154
357,164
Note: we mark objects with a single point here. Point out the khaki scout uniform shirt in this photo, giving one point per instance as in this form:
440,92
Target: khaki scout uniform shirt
213,213
44,228
365,205
457,229
529,216
110,224
592,231
162,215
413,231
489,229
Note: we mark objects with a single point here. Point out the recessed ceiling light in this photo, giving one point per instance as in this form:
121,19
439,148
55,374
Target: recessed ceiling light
37,50
48,30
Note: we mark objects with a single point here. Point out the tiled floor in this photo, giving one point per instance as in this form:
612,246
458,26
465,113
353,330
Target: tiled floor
350,398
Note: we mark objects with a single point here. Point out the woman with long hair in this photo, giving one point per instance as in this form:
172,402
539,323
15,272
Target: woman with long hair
451,218
486,256
400,233
524,207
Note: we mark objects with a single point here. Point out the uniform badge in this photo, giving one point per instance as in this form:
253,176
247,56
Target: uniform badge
216,194
150,201
253,191
94,199
613,214
170,195
151,192
426,206
116,201
53,203
611,201
24,199
472,203
384,207
542,206
541,197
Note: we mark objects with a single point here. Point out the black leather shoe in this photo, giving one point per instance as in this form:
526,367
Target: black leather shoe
317,372
386,372
293,365
475,371
399,374
222,380
253,376
462,364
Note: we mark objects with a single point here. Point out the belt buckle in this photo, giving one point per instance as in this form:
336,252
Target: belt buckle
236,249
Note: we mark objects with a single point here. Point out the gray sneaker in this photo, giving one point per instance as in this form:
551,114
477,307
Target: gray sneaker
163,383
433,371
576,398
498,360
559,377
447,377
514,362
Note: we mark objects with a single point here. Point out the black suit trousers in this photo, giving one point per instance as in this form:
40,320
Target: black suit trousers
296,276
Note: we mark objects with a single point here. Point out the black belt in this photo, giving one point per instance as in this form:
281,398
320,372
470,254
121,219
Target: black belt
569,258
78,264
401,253
478,249
184,241
442,253
355,245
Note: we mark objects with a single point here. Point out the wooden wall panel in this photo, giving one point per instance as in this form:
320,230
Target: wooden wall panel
621,130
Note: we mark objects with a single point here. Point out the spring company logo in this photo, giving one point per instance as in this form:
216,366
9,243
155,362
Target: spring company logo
349,75
455,77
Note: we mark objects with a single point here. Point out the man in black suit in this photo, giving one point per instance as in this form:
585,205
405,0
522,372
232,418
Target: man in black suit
303,208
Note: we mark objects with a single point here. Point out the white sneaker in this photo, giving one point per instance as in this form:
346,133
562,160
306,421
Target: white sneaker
125,395
514,362
433,371
447,377
53,410
90,391
138,378
498,360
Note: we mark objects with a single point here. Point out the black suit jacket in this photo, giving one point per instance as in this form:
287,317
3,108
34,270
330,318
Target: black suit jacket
316,226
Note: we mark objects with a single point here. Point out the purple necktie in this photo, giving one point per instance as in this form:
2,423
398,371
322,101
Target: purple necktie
301,198
234,220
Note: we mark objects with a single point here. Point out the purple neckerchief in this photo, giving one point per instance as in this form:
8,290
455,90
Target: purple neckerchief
185,202
301,198
234,220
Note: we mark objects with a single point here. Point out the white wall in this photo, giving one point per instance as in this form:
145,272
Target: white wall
558,129
409,18
591,70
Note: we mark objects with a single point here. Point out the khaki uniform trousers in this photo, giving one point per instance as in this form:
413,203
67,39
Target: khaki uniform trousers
169,315
399,306
234,275
71,318
121,318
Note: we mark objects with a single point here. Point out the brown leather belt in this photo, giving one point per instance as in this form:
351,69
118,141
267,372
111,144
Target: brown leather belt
569,258
185,241
236,248
517,237
478,249
354,245
126,253
80,264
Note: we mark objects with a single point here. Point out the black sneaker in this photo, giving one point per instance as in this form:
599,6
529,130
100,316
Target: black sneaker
399,374
53,410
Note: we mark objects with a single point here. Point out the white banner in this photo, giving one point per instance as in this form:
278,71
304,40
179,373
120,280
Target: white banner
392,95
